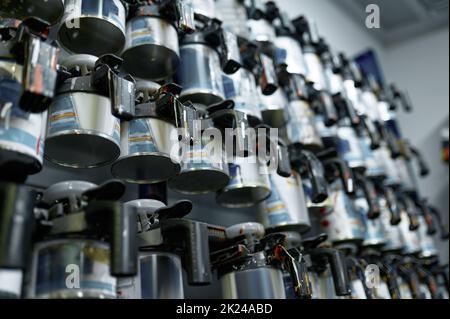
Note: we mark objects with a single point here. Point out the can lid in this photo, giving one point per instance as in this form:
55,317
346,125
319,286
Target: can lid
64,190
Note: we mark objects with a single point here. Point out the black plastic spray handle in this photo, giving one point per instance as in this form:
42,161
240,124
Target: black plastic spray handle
347,110
442,227
371,196
16,225
282,157
345,173
315,173
193,237
355,265
118,225
338,265
411,210
375,138
393,205
390,272
284,165
429,217
328,108
424,169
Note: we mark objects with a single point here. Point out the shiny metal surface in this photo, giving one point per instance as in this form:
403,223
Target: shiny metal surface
106,17
248,186
350,148
151,51
273,109
22,135
261,31
10,283
344,224
81,131
203,168
405,291
383,156
206,8
374,167
48,10
382,292
315,71
406,175
241,88
286,208
233,15
322,285
392,234
334,82
371,105
200,75
373,234
358,291
160,277
257,283
290,53
87,259
301,126
146,148
354,94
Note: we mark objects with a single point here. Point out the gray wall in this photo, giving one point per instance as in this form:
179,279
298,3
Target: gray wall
421,66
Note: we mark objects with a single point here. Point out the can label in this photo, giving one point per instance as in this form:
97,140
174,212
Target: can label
235,174
349,146
301,126
276,210
62,116
140,137
281,55
114,10
372,228
25,133
228,87
374,168
141,32
345,222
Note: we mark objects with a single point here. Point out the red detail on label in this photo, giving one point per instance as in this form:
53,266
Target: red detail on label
325,223
323,210
38,145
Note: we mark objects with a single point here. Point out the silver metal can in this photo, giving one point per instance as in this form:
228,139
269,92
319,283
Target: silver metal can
301,126
249,184
81,131
289,53
286,208
344,224
200,75
93,27
241,88
22,134
203,168
151,51
160,276
146,147
257,283
72,268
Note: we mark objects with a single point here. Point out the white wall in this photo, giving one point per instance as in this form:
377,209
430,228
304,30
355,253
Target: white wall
421,66
342,32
